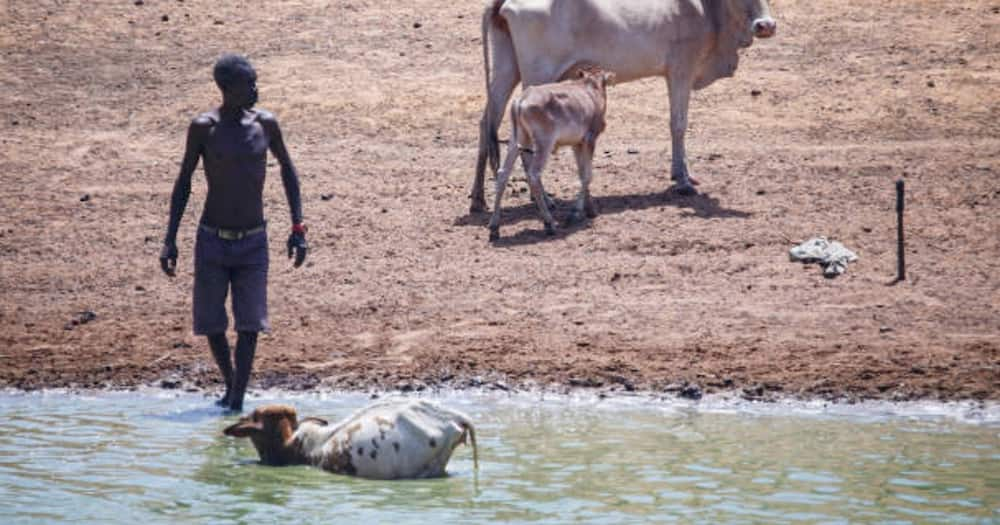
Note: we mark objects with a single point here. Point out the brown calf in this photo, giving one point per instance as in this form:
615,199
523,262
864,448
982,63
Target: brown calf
544,117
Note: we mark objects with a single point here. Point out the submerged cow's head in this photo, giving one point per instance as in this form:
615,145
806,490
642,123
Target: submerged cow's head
270,428
753,19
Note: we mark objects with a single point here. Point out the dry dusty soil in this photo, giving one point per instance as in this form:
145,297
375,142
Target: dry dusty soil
380,103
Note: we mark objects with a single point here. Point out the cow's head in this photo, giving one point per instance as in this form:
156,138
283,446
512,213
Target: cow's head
270,428
753,18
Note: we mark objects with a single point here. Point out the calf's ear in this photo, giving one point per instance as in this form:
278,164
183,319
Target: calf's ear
245,427
322,422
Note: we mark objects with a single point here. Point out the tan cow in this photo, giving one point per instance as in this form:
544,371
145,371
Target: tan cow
391,439
690,42
545,117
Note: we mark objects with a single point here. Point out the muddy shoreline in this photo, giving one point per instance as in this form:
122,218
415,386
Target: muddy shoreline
200,379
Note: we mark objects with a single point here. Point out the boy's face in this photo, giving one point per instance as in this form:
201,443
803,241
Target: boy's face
242,90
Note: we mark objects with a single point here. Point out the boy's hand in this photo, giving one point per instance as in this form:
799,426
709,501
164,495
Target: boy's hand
168,259
297,244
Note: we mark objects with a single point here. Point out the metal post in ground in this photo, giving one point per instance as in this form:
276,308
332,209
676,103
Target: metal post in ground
900,257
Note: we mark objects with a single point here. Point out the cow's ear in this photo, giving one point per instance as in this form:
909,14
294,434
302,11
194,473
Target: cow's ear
609,78
320,421
245,427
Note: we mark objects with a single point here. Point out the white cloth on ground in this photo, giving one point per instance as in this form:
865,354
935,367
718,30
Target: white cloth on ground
831,255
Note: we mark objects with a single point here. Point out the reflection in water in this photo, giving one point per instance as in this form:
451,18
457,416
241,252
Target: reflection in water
134,457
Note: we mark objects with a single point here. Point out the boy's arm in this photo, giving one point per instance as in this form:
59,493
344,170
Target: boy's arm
290,180
197,132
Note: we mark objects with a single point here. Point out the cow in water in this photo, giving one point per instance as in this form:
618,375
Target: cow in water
392,439
690,42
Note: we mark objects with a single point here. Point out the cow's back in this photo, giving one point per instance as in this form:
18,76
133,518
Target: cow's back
400,439
633,38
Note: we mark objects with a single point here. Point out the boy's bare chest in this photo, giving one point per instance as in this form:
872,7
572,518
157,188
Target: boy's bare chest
237,142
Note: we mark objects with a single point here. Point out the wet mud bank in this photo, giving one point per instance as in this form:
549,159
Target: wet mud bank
201,378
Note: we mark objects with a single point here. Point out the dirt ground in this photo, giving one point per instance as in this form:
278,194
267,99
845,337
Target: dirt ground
380,104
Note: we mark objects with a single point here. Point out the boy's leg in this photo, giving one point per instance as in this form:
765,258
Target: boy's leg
211,285
220,351
246,347
249,282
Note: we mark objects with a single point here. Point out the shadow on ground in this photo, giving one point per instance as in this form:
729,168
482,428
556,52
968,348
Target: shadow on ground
701,205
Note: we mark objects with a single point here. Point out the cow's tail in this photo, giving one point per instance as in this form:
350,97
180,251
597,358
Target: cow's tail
491,19
515,116
470,431
488,15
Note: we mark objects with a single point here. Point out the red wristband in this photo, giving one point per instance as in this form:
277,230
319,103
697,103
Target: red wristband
299,228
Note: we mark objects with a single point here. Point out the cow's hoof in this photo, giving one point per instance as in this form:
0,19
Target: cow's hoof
578,217
685,190
550,202
550,230
590,212
477,206
494,234
686,180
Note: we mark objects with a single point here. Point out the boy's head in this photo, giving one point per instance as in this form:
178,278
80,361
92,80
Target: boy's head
236,79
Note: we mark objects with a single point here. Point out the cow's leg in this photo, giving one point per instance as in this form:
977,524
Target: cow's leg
505,79
679,87
542,152
502,176
584,206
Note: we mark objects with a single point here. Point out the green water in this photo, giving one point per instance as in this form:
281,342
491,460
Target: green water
161,458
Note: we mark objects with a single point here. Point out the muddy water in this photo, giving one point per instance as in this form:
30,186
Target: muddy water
158,457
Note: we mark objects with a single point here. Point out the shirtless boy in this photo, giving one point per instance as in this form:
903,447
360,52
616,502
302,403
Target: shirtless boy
231,247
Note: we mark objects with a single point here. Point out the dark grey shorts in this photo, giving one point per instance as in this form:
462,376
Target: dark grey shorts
219,264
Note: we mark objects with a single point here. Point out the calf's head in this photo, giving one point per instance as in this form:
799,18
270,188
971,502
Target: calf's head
597,79
270,428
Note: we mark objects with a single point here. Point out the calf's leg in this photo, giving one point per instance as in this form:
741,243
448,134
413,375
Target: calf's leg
502,176
543,149
527,157
584,153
